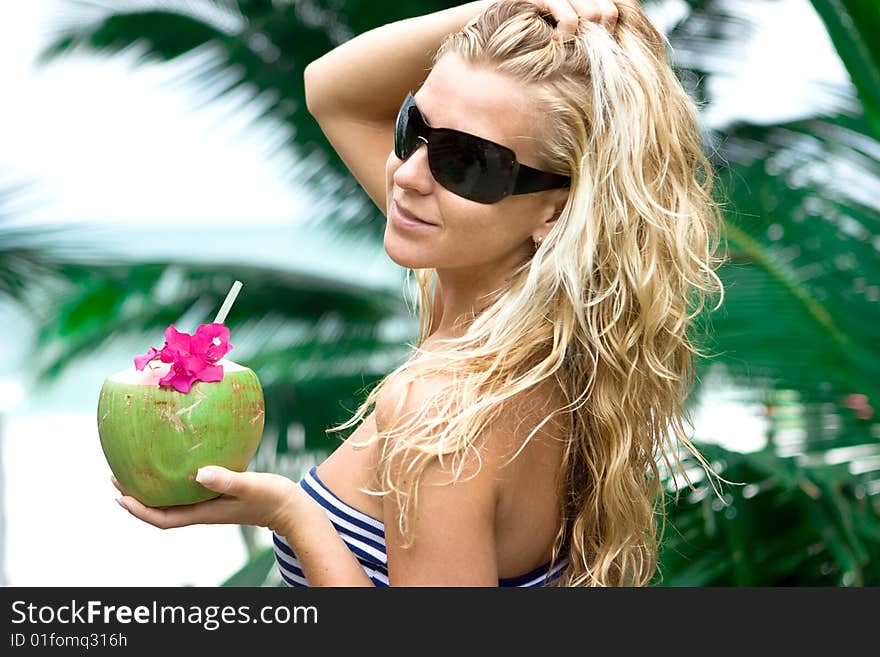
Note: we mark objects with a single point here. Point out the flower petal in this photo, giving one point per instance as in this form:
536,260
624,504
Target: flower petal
140,362
194,364
168,355
178,378
211,373
177,340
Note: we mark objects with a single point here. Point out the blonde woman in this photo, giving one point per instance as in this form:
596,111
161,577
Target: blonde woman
541,170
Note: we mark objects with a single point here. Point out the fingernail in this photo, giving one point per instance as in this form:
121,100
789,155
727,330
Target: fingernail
205,475
121,503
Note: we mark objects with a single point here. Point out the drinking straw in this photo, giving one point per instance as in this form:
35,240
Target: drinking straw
227,304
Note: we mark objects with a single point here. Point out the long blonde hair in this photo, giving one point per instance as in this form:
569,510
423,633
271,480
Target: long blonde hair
605,305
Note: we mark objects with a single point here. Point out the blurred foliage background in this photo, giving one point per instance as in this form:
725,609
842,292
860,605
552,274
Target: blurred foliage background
798,328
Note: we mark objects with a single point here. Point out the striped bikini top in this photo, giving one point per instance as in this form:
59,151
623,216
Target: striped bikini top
365,537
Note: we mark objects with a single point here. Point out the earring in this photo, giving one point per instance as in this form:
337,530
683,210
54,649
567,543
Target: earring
538,241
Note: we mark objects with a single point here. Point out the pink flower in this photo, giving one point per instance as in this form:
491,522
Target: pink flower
193,357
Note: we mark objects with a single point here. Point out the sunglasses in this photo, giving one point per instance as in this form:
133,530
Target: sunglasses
469,166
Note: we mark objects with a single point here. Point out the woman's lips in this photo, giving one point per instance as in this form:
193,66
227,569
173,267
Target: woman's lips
404,219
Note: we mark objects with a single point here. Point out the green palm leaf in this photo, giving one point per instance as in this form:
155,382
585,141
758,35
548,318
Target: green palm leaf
853,26
793,524
803,247
29,256
802,225
255,572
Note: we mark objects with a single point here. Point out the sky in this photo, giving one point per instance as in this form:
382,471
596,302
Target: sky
107,144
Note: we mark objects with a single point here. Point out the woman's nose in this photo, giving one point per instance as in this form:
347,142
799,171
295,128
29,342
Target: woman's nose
414,171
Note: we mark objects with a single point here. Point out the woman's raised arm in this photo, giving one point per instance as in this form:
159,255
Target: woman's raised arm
355,90
367,77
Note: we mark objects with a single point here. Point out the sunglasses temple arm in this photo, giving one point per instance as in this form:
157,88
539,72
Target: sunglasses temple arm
532,180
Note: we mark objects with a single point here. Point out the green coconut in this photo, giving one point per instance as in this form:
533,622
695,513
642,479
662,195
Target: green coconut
155,438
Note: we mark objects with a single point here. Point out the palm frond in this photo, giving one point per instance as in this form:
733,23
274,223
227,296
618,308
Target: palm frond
31,257
802,299
853,26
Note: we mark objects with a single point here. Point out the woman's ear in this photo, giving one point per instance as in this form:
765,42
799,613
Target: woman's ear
556,213
555,204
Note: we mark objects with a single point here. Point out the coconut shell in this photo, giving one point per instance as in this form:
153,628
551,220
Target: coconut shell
155,438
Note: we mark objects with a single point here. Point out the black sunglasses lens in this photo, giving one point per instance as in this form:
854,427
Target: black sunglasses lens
472,168
405,133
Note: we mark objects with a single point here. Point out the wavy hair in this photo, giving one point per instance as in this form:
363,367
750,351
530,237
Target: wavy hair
606,304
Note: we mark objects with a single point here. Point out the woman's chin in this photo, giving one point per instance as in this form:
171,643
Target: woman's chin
408,256
411,263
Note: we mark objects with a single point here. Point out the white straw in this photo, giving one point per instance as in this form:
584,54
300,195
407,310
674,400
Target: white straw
227,304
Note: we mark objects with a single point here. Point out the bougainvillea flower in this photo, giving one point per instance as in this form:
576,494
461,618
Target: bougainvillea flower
193,357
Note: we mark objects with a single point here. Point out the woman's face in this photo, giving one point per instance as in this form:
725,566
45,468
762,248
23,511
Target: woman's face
466,234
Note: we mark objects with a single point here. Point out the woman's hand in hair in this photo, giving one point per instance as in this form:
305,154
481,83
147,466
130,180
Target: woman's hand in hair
569,13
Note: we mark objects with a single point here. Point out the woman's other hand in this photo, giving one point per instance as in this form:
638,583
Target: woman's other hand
568,13
248,498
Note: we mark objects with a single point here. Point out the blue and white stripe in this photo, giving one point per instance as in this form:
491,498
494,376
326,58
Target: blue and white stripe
365,537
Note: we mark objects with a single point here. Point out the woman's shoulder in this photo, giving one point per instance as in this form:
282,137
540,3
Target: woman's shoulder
409,393
406,392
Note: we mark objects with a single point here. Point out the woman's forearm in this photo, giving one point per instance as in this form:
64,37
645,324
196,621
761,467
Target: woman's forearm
325,558
367,76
